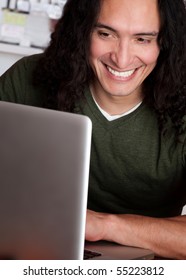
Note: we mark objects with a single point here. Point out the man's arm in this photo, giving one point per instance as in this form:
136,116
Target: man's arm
166,237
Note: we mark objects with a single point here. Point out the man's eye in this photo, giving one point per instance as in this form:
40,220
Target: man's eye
143,40
103,34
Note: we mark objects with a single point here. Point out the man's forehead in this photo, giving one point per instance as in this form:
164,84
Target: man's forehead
134,16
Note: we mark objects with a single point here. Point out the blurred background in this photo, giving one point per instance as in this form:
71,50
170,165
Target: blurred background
25,27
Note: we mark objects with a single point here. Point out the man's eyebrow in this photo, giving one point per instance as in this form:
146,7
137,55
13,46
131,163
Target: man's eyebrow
153,34
100,25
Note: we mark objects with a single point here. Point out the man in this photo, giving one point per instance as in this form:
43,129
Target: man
121,63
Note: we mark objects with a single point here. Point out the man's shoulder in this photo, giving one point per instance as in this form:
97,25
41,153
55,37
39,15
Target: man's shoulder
16,84
29,61
22,66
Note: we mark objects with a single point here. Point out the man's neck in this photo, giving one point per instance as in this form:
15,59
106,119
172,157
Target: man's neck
115,105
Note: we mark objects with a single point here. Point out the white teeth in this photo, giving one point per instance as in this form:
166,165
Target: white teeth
124,74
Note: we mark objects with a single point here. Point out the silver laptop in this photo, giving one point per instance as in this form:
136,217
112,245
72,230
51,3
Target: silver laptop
44,170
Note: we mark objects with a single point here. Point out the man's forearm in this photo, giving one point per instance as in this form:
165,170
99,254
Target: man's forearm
164,236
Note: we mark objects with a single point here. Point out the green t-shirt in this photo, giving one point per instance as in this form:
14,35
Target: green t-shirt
133,169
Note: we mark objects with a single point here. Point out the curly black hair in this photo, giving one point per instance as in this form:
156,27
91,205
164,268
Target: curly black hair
165,88
64,68
65,72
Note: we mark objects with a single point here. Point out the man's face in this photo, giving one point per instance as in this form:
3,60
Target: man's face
124,48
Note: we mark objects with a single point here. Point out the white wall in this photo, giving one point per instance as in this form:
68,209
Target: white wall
9,54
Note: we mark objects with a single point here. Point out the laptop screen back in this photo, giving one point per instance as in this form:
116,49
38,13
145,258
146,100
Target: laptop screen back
44,170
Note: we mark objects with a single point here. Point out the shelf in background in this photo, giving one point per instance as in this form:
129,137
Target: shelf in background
18,50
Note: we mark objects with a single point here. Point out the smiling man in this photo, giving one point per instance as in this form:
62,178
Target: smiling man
124,50
121,63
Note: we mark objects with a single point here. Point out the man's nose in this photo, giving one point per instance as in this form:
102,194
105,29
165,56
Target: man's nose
122,54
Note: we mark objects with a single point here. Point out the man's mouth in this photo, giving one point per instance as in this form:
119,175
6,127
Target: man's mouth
121,74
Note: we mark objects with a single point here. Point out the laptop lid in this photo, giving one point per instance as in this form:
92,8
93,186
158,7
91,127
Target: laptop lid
44,170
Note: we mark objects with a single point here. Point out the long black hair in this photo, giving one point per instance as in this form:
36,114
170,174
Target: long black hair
165,87
65,72
64,68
